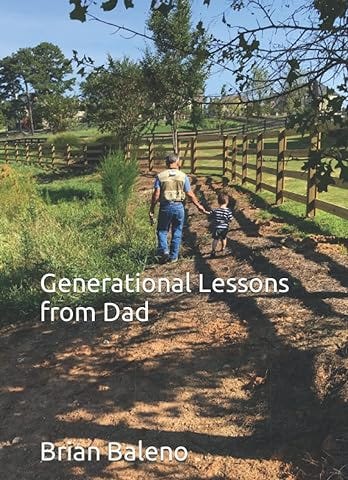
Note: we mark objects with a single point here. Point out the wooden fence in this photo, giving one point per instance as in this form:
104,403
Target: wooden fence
36,151
239,157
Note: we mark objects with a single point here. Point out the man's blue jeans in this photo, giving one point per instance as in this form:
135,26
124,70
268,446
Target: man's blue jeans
171,215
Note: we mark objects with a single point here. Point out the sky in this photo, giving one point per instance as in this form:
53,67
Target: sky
27,23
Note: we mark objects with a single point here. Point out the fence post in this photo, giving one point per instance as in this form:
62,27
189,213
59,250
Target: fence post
106,150
67,154
311,176
53,153
27,152
179,147
11,151
6,151
259,161
151,154
84,153
280,167
194,154
245,159
234,158
224,154
16,152
39,153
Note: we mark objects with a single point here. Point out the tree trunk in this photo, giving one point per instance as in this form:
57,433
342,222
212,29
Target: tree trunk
175,133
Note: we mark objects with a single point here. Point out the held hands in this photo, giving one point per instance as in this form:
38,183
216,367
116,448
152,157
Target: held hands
202,209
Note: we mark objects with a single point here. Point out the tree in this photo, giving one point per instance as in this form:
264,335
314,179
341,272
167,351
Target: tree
59,112
305,46
196,116
258,90
31,72
286,39
294,102
174,72
116,99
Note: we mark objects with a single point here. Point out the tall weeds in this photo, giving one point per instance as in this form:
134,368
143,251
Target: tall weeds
72,237
118,176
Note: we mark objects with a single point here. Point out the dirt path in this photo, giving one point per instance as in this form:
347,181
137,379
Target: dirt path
239,380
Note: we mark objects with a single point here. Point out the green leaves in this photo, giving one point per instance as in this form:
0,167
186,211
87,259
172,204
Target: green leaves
116,99
254,45
79,12
81,9
31,74
248,48
330,11
109,5
128,4
294,73
164,9
294,64
200,28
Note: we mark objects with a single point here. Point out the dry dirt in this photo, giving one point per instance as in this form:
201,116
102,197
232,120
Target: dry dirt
253,385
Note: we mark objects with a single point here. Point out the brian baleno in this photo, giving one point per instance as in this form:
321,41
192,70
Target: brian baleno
116,452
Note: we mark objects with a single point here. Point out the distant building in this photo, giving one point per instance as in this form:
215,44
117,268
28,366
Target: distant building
227,106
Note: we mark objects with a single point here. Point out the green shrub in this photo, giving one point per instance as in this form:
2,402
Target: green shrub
61,140
109,140
118,176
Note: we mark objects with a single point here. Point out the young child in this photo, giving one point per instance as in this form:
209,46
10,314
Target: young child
221,218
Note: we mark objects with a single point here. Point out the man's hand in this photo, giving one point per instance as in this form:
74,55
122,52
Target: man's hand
202,209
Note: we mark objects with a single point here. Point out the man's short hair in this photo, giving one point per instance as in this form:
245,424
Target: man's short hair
171,158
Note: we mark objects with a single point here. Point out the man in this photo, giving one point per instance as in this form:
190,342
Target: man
170,189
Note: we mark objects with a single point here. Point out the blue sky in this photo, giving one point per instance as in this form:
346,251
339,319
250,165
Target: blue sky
27,23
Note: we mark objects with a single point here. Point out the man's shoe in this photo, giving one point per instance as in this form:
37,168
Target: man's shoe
173,260
164,259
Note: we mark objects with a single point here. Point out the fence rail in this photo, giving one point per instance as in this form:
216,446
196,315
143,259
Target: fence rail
227,155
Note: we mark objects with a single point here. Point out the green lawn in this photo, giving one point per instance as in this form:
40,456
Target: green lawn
91,134
293,215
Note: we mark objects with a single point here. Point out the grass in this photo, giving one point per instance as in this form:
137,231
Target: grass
292,213
184,126
63,226
91,134
213,166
